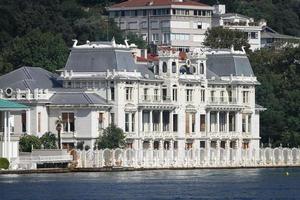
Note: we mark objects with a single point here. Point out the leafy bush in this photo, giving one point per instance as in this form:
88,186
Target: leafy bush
28,141
48,140
111,138
4,163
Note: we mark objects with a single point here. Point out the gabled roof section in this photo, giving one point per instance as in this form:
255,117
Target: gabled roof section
229,64
29,78
100,60
142,3
77,98
11,106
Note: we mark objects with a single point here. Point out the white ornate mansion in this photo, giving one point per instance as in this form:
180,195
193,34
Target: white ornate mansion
203,99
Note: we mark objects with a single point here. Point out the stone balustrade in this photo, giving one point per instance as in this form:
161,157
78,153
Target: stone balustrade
193,158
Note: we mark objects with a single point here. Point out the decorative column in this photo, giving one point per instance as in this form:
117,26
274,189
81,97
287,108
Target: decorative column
129,122
140,122
28,122
208,144
218,122
227,150
237,116
208,123
171,121
247,118
197,123
218,151
5,135
161,121
8,136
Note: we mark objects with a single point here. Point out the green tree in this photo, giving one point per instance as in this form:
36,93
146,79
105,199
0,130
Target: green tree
48,140
28,142
35,49
278,71
111,138
218,37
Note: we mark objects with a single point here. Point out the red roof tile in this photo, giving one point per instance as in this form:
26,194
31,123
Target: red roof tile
141,3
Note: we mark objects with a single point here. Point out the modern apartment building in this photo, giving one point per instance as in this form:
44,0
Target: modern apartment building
177,23
239,22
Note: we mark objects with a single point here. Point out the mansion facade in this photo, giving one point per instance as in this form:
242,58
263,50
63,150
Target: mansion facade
204,99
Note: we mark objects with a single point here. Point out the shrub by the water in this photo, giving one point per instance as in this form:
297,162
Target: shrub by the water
4,163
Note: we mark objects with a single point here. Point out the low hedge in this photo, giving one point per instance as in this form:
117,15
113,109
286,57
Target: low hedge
4,163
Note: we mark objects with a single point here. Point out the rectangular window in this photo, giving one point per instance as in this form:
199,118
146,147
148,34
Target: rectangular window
222,98
244,118
202,123
193,122
68,120
202,144
174,94
23,122
212,96
231,122
230,96
156,97
100,121
146,98
126,122
112,93
164,94
187,122
245,96
189,95
175,122
155,37
166,38
132,122
128,93
201,68
249,123
202,95
39,122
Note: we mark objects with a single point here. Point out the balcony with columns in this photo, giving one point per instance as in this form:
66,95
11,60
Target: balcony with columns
156,124
155,99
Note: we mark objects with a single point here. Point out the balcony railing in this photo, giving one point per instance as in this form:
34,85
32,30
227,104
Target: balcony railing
154,98
221,100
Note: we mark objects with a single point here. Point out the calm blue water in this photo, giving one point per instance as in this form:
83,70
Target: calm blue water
183,184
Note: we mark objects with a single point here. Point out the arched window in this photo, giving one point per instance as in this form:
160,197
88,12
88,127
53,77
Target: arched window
174,67
164,67
201,68
183,69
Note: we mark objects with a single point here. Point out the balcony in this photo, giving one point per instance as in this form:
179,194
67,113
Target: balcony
221,101
155,99
155,135
224,135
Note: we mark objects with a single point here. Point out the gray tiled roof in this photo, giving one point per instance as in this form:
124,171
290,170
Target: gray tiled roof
79,98
29,78
100,60
227,64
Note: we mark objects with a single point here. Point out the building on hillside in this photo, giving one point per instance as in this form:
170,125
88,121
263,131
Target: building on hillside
203,99
270,38
239,22
177,23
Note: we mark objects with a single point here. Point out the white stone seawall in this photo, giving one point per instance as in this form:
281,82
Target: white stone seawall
193,158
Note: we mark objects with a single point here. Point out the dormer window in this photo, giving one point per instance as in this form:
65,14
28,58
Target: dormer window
164,67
